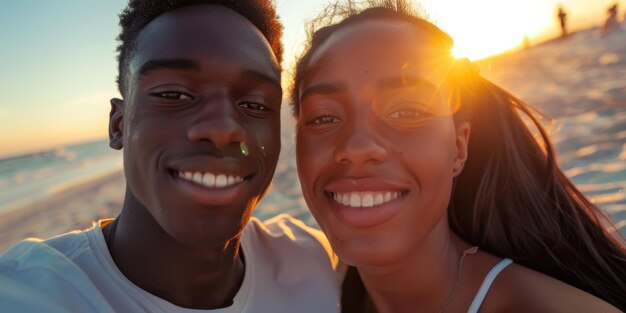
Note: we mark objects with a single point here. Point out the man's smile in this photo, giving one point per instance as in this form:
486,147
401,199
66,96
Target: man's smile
211,180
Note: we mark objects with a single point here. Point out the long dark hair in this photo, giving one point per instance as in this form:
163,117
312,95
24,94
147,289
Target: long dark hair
511,199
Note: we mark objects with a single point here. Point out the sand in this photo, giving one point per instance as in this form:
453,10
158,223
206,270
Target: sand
74,208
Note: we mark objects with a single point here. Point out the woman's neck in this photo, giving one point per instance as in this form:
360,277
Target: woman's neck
421,281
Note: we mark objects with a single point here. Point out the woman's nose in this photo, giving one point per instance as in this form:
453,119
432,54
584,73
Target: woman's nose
360,145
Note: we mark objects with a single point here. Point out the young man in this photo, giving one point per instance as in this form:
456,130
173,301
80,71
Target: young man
200,130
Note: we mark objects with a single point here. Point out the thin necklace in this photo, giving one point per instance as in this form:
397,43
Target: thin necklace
471,250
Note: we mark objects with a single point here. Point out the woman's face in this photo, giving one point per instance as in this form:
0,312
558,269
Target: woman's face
377,147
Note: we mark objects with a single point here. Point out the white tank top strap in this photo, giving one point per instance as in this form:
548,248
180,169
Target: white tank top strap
484,288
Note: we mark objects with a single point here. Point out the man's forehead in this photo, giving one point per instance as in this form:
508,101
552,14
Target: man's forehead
203,31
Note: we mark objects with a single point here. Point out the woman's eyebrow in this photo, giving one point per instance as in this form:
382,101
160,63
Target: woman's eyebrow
405,82
322,89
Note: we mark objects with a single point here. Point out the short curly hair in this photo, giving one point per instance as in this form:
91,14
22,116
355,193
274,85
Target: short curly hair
138,13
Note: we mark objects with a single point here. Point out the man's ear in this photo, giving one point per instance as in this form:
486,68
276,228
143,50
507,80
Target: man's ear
116,127
463,131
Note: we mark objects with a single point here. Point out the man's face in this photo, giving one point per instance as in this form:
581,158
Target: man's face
202,81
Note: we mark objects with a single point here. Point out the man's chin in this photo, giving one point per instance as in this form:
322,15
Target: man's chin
210,232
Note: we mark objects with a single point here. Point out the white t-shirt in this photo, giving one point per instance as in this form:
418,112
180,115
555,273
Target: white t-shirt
289,268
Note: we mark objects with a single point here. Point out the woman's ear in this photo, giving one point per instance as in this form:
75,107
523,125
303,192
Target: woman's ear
463,131
116,127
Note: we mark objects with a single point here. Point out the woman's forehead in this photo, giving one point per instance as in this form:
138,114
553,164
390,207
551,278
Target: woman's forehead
379,32
398,47
364,62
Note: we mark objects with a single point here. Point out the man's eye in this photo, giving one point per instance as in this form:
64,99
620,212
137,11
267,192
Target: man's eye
324,119
253,106
172,95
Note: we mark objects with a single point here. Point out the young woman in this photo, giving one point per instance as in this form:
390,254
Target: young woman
426,179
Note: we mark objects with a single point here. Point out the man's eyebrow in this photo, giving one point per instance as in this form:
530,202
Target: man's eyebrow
405,82
262,78
322,89
168,64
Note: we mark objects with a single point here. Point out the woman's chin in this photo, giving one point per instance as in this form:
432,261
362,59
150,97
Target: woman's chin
369,256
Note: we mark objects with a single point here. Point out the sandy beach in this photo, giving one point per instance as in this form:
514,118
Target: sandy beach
579,81
74,208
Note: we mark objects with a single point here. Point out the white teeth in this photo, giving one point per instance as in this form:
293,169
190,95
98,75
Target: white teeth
365,199
210,180
220,180
197,177
345,199
379,199
355,200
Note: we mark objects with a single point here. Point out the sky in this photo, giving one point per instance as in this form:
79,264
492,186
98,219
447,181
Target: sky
58,59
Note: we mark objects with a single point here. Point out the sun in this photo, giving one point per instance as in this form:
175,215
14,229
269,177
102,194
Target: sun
482,28
476,47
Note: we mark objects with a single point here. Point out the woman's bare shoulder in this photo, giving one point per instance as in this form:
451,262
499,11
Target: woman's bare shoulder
520,289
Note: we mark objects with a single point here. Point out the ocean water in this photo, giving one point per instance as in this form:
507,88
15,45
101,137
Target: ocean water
32,177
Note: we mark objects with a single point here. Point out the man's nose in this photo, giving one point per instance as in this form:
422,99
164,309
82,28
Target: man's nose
219,123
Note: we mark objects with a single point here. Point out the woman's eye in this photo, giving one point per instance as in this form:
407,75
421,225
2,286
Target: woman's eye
253,106
405,114
172,95
325,119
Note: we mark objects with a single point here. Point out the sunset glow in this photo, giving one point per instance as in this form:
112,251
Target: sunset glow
485,27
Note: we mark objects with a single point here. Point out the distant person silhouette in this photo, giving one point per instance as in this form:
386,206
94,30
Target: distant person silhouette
611,24
563,20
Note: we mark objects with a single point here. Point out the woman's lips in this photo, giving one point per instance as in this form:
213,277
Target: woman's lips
365,202
365,199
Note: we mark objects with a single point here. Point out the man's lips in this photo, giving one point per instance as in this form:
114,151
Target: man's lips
211,188
211,172
212,181
208,179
